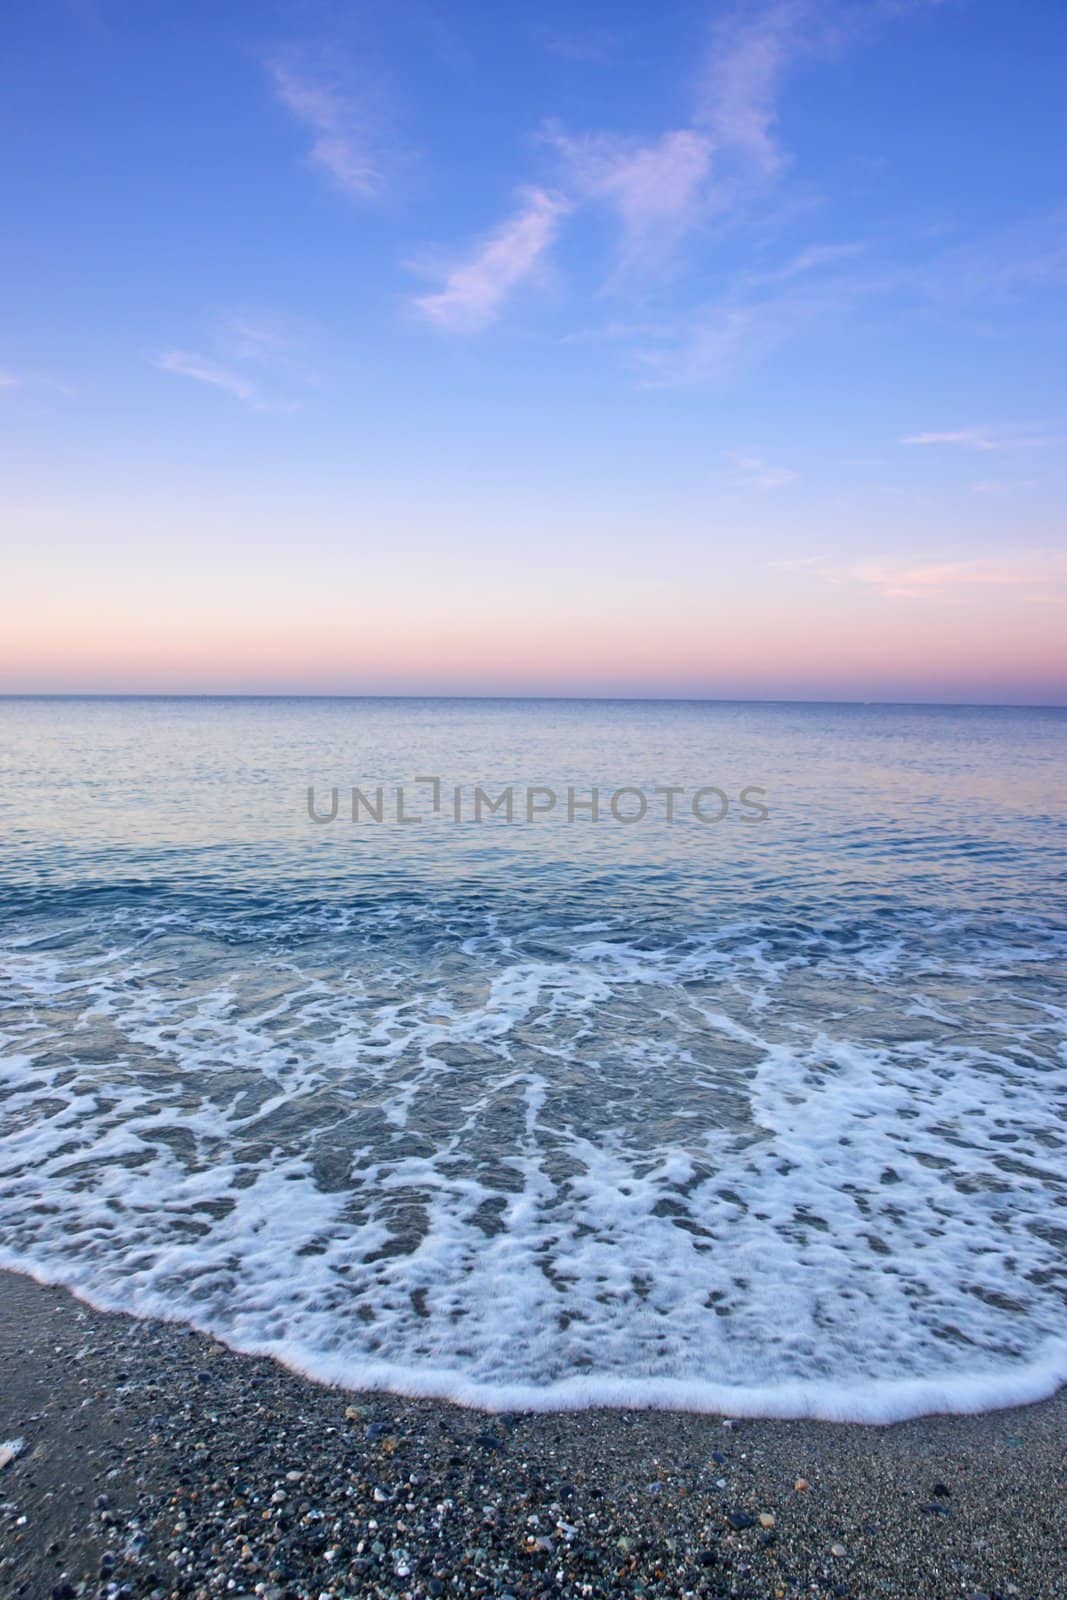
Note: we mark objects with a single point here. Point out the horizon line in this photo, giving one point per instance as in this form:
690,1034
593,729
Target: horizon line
564,699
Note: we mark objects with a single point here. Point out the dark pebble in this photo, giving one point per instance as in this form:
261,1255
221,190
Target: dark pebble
739,1520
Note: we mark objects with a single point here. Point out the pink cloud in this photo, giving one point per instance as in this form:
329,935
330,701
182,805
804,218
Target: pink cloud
476,289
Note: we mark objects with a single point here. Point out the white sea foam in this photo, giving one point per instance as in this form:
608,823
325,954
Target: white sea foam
815,1173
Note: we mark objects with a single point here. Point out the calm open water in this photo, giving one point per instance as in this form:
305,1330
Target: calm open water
763,1116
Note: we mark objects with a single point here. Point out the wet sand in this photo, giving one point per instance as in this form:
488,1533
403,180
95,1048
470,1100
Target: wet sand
156,1462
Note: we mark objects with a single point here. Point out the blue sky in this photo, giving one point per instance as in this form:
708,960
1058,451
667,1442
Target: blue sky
586,348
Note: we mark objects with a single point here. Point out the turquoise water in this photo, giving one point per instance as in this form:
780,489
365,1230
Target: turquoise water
760,1115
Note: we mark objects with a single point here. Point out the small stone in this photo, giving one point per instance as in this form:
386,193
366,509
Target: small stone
718,1458
838,1550
707,1557
802,1484
941,1491
9,1449
936,1510
739,1520
766,1519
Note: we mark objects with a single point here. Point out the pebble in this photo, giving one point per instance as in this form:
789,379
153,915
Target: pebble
298,1495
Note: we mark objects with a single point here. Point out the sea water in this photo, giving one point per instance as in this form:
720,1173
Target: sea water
763,1115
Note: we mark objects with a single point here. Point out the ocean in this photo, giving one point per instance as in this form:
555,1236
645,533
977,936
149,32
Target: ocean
747,1094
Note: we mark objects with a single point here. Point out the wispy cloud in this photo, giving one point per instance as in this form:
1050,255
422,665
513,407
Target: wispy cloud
253,337
33,385
799,564
753,49
1033,576
475,290
750,53
810,259
721,338
980,439
1002,485
722,169
188,364
1042,571
346,142
256,356
281,350
1024,259
658,190
712,346
583,45
762,475
661,188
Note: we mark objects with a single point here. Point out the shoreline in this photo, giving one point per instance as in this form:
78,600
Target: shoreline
875,1402
156,1462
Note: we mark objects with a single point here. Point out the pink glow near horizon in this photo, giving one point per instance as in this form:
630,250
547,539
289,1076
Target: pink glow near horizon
884,648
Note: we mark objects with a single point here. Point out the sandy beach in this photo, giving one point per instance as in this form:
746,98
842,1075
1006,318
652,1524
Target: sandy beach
155,1462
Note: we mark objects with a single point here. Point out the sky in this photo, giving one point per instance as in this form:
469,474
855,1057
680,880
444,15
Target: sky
697,350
